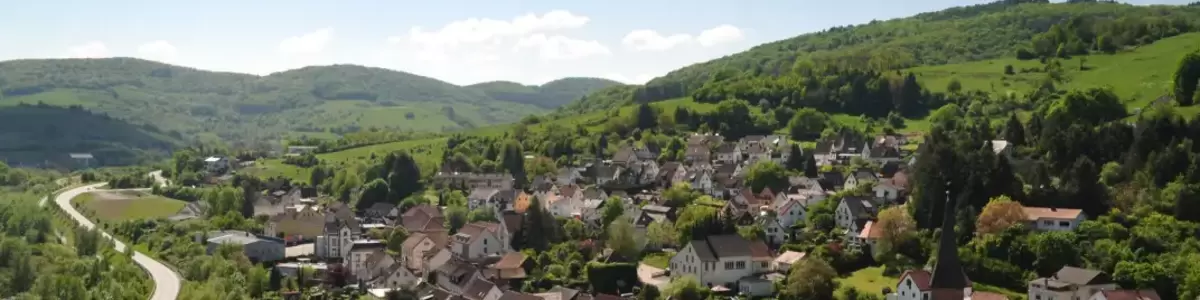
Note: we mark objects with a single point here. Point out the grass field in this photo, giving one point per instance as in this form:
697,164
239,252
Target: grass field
1137,76
427,153
121,206
872,280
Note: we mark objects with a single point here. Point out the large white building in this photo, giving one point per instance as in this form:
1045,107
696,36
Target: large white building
479,239
721,260
1070,283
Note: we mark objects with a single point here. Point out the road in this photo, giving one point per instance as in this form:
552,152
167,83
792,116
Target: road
166,282
652,276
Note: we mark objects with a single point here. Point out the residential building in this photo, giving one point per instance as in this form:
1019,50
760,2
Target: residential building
775,232
840,149
360,251
721,260
482,196
629,155
756,152
510,267
396,276
257,248
883,155
567,203
381,211
295,225
697,153
481,289
947,280
466,180
671,173
1070,283
454,274
887,192
869,236
377,265
728,153
785,260
1126,295
415,248
216,164
1054,219
853,212
860,177
701,180
340,230
479,239
832,181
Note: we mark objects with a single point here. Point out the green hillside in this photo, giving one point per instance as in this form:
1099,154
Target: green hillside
40,135
240,107
955,35
549,95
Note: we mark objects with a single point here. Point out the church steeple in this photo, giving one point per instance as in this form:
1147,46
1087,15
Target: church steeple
948,274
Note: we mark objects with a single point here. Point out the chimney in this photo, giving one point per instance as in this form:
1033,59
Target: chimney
1053,209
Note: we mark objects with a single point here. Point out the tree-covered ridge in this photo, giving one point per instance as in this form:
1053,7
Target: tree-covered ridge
549,95
40,134
954,35
599,100
338,99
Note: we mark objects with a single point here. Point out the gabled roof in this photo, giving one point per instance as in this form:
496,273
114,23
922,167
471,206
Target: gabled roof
869,231
423,217
1131,295
1080,276
727,148
413,240
920,278
381,208
714,247
511,295
1038,213
568,190
474,231
477,289
833,178
512,221
790,257
859,207
667,171
884,152
865,174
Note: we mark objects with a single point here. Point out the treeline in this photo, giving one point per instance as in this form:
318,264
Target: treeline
954,35
854,92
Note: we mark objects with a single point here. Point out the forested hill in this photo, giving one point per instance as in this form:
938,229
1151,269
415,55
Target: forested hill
960,34
240,107
549,95
37,135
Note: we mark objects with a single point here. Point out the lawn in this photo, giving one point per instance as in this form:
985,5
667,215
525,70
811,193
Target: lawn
872,280
1137,76
126,206
658,259
427,152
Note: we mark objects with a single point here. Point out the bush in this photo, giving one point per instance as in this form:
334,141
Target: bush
1008,70
1025,54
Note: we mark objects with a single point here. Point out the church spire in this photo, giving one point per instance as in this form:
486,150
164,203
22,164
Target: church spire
948,272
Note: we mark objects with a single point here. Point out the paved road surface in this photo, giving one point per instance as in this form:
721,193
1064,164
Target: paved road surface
652,276
166,282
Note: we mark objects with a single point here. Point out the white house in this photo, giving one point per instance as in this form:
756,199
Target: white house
567,203
481,196
396,276
481,289
1054,219
775,232
478,240
1070,283
729,153
787,259
701,180
336,241
721,260
862,176
886,191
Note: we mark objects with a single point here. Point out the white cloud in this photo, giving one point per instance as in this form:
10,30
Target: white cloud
159,50
719,35
477,30
92,49
559,47
650,40
309,43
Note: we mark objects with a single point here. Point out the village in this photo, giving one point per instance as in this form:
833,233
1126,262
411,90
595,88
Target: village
478,261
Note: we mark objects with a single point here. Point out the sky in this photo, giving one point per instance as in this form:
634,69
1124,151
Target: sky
461,42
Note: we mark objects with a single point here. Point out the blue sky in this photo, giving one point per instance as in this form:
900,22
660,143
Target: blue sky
462,42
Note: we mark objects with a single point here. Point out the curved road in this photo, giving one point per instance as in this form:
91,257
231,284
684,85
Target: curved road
166,282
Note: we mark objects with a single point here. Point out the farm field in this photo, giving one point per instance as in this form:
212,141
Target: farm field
114,206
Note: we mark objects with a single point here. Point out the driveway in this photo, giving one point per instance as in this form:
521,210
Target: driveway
653,276
166,282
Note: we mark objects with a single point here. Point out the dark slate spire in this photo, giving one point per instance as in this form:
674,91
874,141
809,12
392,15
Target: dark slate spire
948,272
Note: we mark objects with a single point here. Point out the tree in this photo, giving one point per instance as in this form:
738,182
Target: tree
250,186
811,279
620,238
661,234
649,292
456,217
679,195
395,239
807,123
686,288
1008,70
954,86
646,117
1054,249
766,174
999,214
1187,76
796,158
1084,186
375,191
514,161
575,230
896,227
482,214
538,226
613,209
404,176
810,166
1014,132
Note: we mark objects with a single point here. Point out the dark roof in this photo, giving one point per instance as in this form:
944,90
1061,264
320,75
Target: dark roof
885,152
477,289
726,148
833,178
340,215
668,170
511,295
512,221
380,208
859,206
823,147
948,271
714,247
1079,276
542,183
889,169
1131,295
865,174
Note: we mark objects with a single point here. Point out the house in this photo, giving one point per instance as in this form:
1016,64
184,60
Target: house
700,179
415,248
791,206
1126,295
396,276
454,275
697,153
568,175
360,251
478,240
509,268
756,152
883,155
860,177
840,149
774,231
1054,219
671,173
886,191
786,260
466,180
853,212
381,211
481,197
721,260
1071,283
216,164
729,153
832,181
257,248
629,155
567,202
377,265
423,218
295,225
481,289
869,236
340,230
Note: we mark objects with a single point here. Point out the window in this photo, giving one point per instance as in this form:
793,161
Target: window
729,265
1048,223
741,265
762,264
924,296
1064,224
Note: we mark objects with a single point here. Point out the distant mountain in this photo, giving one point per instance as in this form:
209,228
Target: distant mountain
241,107
46,135
550,95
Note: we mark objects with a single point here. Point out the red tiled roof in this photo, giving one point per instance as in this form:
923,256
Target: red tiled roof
1037,213
919,278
